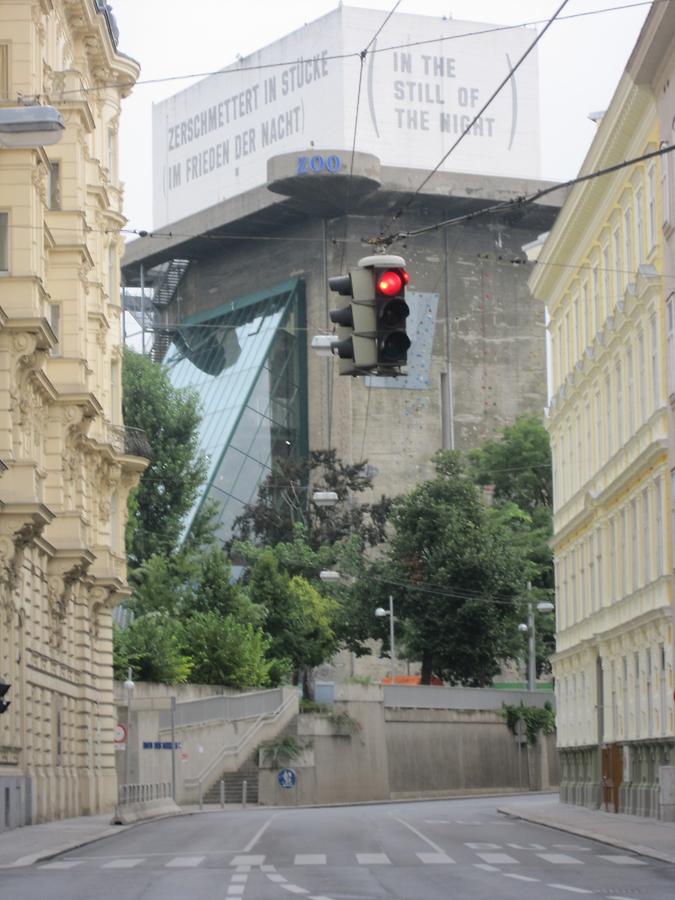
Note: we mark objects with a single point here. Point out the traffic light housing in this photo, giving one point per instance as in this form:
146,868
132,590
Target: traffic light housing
4,704
371,323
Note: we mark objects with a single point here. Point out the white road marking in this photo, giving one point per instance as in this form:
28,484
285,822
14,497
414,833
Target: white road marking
572,847
622,860
247,868
567,887
520,877
437,821
317,897
256,837
310,859
481,846
497,859
294,889
123,863
468,822
372,859
275,877
560,859
486,868
70,864
526,846
419,834
239,878
248,861
235,890
267,868
184,862
435,858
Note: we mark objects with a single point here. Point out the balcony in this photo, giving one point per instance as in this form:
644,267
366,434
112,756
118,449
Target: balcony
130,441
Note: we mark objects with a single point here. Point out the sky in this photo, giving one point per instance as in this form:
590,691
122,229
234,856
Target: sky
580,63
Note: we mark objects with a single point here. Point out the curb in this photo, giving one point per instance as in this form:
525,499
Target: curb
591,835
50,853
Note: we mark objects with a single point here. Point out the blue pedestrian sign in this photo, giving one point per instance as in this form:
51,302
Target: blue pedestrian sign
287,778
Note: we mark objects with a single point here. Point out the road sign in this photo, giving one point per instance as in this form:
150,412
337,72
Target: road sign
287,778
120,733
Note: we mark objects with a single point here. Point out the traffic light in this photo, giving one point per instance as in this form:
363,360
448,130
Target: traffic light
4,704
392,311
371,324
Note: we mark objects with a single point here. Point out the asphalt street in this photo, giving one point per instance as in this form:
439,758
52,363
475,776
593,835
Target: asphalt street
399,851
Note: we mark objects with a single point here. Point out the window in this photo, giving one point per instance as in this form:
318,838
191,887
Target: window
670,341
111,153
656,393
636,694
639,227
662,687
112,273
625,697
608,398
618,274
630,392
623,583
598,570
606,278
588,447
561,370
651,208
4,71
646,538
634,543
599,458
619,403
4,242
54,184
55,322
576,350
628,240
612,559
658,523
588,324
665,190
595,289
650,695
642,374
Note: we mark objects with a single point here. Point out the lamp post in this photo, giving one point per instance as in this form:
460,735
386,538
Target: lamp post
380,612
530,628
129,685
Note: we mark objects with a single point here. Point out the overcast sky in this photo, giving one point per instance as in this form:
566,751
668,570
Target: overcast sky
580,62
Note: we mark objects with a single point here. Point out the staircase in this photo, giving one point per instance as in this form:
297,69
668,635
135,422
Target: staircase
234,784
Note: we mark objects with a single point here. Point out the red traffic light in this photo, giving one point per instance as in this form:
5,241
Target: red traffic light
391,282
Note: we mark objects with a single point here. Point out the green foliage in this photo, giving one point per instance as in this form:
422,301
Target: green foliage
168,488
536,718
153,646
281,750
225,651
344,722
284,501
453,576
311,706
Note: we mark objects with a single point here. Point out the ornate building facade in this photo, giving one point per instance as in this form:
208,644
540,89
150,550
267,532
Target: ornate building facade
68,462
601,274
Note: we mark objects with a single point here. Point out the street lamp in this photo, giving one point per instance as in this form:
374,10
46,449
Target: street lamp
129,685
381,612
325,498
22,127
329,575
544,606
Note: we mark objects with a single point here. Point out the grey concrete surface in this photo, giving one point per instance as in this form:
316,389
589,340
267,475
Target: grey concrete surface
430,850
648,837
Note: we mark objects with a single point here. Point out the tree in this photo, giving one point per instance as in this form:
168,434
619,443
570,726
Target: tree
518,464
168,488
453,576
153,645
225,651
284,501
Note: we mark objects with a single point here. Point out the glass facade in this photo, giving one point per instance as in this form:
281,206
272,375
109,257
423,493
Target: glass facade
247,363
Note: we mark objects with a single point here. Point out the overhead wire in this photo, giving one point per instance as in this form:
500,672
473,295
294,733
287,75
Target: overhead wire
235,69
405,206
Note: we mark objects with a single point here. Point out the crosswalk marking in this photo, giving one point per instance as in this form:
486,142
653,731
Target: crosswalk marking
372,859
486,868
435,858
622,860
235,890
185,862
276,877
560,859
248,861
70,864
239,878
520,877
310,859
122,863
567,887
526,846
482,846
497,859
294,889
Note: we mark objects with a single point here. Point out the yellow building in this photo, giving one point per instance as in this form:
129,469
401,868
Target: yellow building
600,273
68,466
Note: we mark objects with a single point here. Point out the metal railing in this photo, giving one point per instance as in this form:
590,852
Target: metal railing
141,793
244,743
441,697
224,708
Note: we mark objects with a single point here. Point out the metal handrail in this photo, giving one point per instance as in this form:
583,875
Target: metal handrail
234,749
140,793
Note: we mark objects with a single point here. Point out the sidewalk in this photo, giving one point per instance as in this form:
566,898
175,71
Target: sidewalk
25,846
648,837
